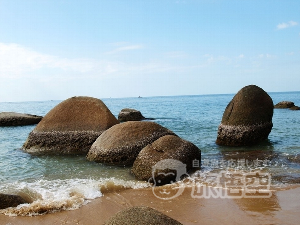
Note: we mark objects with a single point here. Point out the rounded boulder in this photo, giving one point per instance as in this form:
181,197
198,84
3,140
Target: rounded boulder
247,118
168,154
71,127
130,115
7,201
284,105
121,144
142,215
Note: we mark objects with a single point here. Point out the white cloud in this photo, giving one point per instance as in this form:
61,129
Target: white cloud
176,54
241,56
290,53
213,59
16,59
286,25
125,48
267,56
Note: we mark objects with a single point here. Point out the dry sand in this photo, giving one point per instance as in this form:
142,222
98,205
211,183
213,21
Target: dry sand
283,207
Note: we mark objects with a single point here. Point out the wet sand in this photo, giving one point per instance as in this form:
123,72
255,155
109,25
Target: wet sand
282,207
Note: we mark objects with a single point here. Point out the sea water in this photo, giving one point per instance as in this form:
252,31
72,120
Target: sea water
53,183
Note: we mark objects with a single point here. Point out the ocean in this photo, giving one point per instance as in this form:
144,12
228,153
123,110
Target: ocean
55,183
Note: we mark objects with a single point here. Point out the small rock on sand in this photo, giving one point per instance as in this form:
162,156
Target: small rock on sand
141,215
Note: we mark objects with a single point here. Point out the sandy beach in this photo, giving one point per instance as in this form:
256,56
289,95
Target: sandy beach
281,208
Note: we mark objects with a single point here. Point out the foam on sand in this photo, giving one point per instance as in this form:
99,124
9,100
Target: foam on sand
51,196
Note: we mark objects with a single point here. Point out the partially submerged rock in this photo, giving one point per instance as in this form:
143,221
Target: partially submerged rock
121,144
247,118
141,215
168,150
71,127
284,105
130,115
18,119
7,201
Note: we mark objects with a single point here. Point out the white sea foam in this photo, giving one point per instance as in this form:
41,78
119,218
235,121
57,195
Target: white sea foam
56,195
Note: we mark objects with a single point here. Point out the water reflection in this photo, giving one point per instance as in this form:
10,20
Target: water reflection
261,205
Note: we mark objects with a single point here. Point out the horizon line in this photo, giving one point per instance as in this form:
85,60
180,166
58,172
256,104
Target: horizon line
153,96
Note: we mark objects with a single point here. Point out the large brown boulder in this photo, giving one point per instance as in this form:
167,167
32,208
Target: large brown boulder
71,127
141,215
121,144
18,119
130,115
174,152
7,201
247,118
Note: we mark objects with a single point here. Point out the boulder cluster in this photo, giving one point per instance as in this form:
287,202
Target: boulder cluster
84,125
142,144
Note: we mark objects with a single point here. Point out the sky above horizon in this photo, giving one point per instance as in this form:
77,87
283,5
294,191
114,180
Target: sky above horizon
56,49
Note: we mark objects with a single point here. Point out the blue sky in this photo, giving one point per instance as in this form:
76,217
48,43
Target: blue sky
56,49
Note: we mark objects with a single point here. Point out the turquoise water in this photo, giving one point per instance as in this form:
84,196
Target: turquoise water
49,179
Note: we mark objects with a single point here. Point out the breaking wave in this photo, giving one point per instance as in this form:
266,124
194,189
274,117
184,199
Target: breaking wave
45,196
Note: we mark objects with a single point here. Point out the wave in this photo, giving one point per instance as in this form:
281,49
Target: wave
48,196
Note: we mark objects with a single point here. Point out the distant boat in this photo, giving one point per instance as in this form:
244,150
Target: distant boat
139,96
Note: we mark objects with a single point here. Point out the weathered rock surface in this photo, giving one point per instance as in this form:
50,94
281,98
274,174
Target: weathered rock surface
247,118
18,119
141,215
121,144
168,149
284,105
130,115
71,127
10,201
